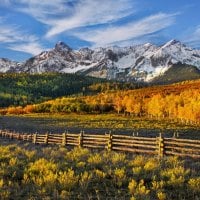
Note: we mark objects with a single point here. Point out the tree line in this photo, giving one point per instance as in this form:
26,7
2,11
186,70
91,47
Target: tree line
176,101
23,89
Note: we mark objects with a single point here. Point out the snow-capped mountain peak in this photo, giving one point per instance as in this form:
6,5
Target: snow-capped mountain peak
140,62
61,46
171,43
8,65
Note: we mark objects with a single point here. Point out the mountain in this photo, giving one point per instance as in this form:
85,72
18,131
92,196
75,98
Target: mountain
177,73
8,65
144,62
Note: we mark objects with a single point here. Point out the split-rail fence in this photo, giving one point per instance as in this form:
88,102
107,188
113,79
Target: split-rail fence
134,144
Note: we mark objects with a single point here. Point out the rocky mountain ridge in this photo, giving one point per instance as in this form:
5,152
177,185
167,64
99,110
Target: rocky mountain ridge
134,63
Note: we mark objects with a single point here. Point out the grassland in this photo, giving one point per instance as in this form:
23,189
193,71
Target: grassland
101,123
53,172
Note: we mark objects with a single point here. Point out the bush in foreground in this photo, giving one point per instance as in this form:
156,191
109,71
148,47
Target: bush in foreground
28,172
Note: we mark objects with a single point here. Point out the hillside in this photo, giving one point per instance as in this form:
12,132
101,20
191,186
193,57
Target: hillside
176,101
177,73
23,89
20,89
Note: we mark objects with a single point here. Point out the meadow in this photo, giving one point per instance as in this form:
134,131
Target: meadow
97,123
43,172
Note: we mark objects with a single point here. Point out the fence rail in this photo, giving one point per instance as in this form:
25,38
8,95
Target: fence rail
157,146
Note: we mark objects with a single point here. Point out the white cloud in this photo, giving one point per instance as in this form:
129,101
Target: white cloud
193,39
5,2
10,34
44,11
7,33
32,48
128,31
63,15
13,33
18,40
34,7
87,16
87,13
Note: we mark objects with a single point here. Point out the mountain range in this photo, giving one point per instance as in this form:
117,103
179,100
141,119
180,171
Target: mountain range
146,62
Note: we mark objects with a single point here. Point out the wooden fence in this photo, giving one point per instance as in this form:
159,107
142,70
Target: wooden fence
156,146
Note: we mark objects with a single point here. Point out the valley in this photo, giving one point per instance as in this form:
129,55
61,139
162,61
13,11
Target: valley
139,104
99,100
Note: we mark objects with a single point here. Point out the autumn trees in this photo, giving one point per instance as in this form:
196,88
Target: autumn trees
178,101
22,89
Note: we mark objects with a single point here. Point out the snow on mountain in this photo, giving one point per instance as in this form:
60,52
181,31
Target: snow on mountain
140,62
145,62
8,65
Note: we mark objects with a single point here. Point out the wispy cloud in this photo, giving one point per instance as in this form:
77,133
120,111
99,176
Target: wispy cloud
5,2
36,8
44,11
100,22
32,48
87,13
62,15
10,34
193,39
135,29
67,16
18,40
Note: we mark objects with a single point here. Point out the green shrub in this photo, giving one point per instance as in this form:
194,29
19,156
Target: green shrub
60,173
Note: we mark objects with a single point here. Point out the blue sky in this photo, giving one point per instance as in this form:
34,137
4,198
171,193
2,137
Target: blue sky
28,27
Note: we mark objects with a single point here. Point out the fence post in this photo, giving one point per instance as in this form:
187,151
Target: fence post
176,134
18,136
109,145
5,134
30,137
80,139
23,136
11,135
160,146
46,138
34,138
64,137
1,133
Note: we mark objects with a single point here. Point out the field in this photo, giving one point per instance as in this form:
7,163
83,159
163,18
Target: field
91,123
33,172
41,172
